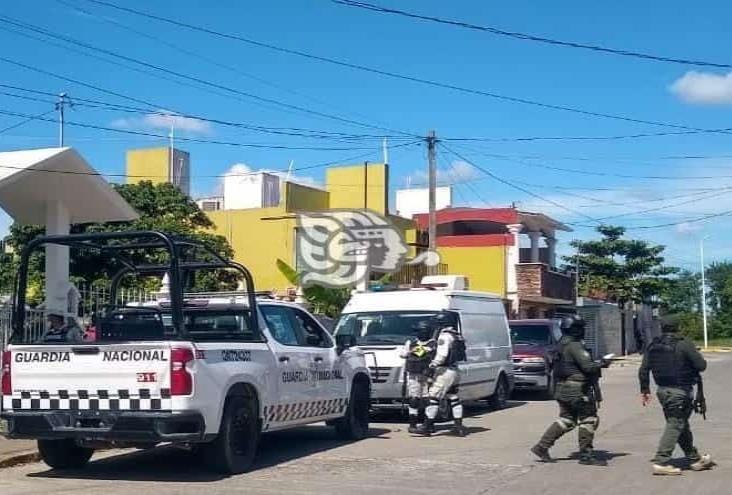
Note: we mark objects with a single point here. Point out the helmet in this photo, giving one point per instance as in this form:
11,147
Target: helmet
445,320
573,326
423,330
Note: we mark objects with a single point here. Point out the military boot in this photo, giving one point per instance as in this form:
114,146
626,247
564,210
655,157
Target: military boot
702,464
542,453
413,421
427,428
666,470
458,429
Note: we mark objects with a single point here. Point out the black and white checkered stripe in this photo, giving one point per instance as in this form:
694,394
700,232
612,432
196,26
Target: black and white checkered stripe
86,400
281,413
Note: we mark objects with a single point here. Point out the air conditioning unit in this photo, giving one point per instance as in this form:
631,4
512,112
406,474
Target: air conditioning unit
454,282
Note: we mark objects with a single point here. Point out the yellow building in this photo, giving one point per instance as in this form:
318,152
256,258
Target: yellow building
261,236
159,165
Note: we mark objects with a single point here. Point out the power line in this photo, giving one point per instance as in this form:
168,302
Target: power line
188,139
589,138
45,32
199,56
598,174
519,188
290,131
395,75
26,120
531,37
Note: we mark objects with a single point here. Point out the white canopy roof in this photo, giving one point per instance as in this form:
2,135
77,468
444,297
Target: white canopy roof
31,180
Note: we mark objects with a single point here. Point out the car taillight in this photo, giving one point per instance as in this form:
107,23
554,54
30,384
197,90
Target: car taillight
181,381
7,385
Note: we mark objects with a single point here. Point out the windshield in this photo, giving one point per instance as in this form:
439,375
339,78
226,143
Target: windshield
392,327
530,334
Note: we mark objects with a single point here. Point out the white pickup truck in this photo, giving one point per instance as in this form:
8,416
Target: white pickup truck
213,373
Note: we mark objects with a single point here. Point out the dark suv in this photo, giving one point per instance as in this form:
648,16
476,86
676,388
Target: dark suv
534,343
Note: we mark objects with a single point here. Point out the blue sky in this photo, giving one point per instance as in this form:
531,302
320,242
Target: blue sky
587,80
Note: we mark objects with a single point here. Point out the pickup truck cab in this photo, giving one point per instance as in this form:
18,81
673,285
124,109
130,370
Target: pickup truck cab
209,372
534,345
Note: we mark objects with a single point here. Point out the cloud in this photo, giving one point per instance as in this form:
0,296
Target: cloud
162,120
704,88
688,228
458,171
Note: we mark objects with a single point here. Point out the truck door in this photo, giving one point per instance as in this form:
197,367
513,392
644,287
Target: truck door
294,381
327,368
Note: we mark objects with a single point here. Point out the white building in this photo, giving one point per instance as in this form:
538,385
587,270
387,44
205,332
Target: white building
251,190
410,202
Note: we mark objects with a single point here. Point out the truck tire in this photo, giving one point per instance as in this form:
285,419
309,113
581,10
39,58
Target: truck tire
499,399
355,424
64,454
234,449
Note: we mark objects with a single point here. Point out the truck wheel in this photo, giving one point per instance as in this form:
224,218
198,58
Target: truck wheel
235,446
355,424
64,454
499,399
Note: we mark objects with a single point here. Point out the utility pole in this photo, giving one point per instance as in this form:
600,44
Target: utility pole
432,184
171,165
703,291
63,100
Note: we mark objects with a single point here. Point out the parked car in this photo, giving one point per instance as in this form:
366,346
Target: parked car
534,343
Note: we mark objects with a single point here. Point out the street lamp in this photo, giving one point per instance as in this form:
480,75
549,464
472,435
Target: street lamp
703,291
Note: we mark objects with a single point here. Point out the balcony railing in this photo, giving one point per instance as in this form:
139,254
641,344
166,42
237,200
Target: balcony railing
538,280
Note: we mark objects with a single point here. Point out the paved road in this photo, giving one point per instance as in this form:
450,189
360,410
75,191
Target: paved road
492,460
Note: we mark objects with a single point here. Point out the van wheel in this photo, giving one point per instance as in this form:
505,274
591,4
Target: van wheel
355,424
64,454
499,399
235,446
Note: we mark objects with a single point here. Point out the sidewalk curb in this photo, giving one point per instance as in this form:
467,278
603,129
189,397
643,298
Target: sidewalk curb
19,458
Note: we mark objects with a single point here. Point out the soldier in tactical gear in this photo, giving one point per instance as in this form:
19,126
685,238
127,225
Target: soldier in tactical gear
444,375
576,376
418,354
676,366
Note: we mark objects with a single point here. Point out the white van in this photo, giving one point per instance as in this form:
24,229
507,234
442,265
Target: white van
381,322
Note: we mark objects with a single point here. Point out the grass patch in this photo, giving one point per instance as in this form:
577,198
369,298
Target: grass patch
715,343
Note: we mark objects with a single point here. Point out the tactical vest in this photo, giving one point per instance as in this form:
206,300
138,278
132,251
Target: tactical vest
668,365
565,367
457,352
419,356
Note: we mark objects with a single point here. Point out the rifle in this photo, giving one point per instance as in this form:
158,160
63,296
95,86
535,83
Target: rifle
700,402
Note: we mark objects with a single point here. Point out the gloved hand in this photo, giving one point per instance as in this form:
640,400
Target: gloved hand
605,363
430,372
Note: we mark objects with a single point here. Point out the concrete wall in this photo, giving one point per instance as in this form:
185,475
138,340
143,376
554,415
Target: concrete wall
484,266
151,164
346,186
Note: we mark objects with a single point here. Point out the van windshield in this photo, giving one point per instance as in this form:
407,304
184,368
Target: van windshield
530,334
382,328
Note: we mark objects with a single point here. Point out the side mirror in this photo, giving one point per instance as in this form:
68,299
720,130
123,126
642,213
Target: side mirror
344,342
313,340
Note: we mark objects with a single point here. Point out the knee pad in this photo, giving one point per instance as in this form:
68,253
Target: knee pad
453,400
590,423
434,401
566,424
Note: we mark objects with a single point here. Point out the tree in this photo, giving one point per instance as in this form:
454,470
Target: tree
323,300
618,269
161,207
682,293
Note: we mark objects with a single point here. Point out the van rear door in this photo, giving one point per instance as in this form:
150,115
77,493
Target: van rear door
124,377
